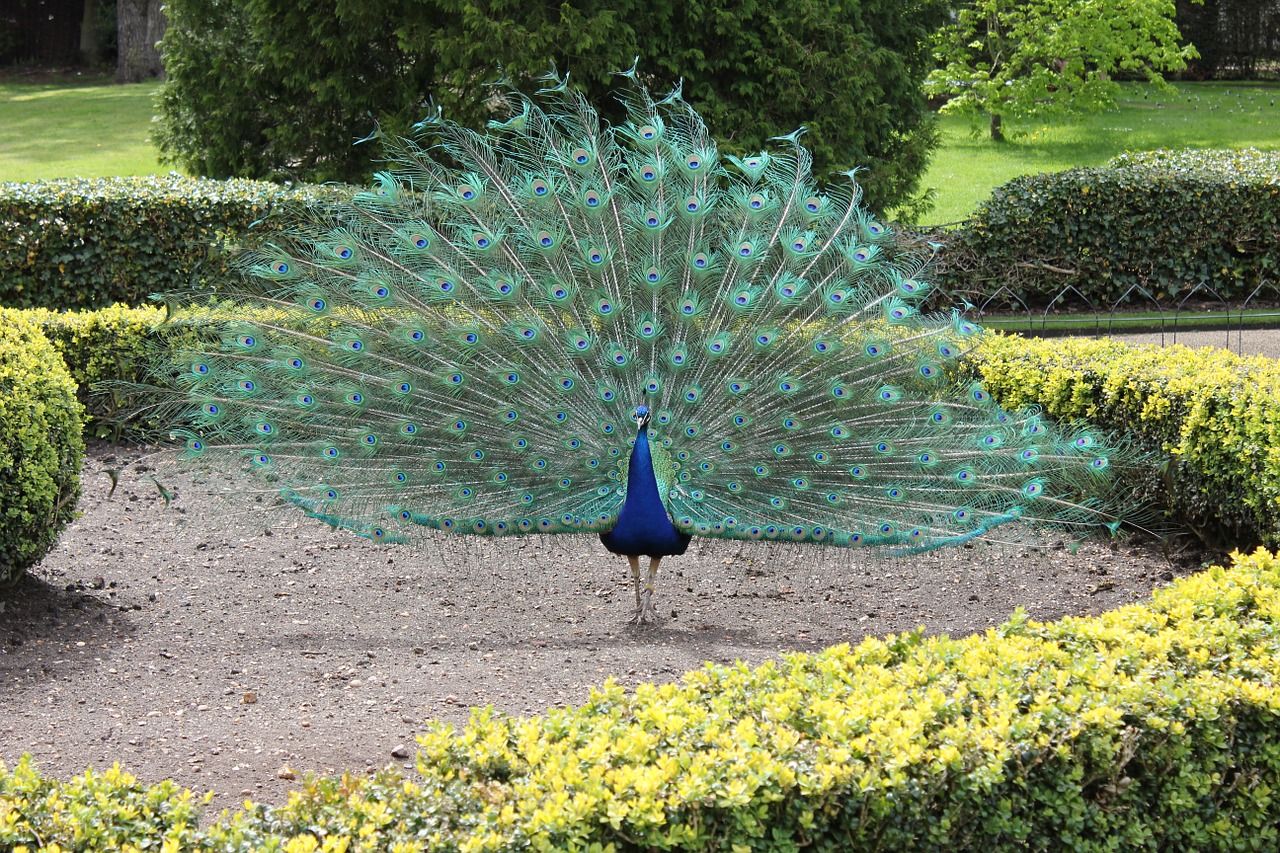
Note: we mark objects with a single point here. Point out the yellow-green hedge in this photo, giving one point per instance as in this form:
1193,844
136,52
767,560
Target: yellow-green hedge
1153,727
1218,414
41,448
108,345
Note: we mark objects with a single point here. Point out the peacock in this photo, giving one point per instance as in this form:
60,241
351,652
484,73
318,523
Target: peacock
562,325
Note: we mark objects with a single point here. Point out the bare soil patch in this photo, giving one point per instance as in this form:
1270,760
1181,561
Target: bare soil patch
221,643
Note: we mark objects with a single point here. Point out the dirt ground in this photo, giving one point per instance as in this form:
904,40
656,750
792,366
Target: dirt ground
229,646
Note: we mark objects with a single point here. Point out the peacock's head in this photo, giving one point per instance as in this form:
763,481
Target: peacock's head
641,416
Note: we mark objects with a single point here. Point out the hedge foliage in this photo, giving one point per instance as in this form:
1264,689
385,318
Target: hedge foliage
1162,220
41,448
1152,727
111,345
75,243
1216,413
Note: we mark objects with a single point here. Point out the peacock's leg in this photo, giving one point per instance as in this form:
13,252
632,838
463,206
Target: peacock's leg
645,611
635,576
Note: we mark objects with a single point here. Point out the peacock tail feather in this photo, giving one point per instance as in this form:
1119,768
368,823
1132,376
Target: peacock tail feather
462,346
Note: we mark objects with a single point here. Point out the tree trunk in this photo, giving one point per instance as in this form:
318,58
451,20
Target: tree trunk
139,25
90,42
997,132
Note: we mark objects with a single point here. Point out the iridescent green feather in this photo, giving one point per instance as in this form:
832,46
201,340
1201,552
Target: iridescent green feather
461,348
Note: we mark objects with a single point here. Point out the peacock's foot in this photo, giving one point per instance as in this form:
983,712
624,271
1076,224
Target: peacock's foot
646,613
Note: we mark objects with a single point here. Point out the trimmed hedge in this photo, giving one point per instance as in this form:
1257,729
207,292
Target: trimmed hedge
1152,727
1163,220
41,448
74,243
107,346
1218,414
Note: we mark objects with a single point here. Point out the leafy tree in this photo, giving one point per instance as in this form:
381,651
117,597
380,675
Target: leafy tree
261,88
1024,58
282,89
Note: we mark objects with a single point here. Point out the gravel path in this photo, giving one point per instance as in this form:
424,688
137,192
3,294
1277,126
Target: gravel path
230,647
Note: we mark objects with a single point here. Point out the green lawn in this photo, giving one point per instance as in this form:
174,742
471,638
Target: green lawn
90,130
1201,115
94,129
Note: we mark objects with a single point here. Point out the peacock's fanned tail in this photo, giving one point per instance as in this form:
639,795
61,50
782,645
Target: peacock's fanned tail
461,348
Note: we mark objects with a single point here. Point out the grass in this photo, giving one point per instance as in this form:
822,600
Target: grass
90,129
969,166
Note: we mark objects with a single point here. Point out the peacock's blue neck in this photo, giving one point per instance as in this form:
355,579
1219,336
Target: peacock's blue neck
643,527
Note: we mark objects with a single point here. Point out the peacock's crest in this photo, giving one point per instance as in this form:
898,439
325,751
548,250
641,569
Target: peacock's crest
463,347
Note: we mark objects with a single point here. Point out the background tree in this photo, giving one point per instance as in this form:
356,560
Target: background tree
273,88
282,89
1023,58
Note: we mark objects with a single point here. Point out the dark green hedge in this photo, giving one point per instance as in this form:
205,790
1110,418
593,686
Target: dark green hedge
77,243
1164,220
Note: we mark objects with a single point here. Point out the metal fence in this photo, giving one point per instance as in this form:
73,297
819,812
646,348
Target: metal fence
1137,311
